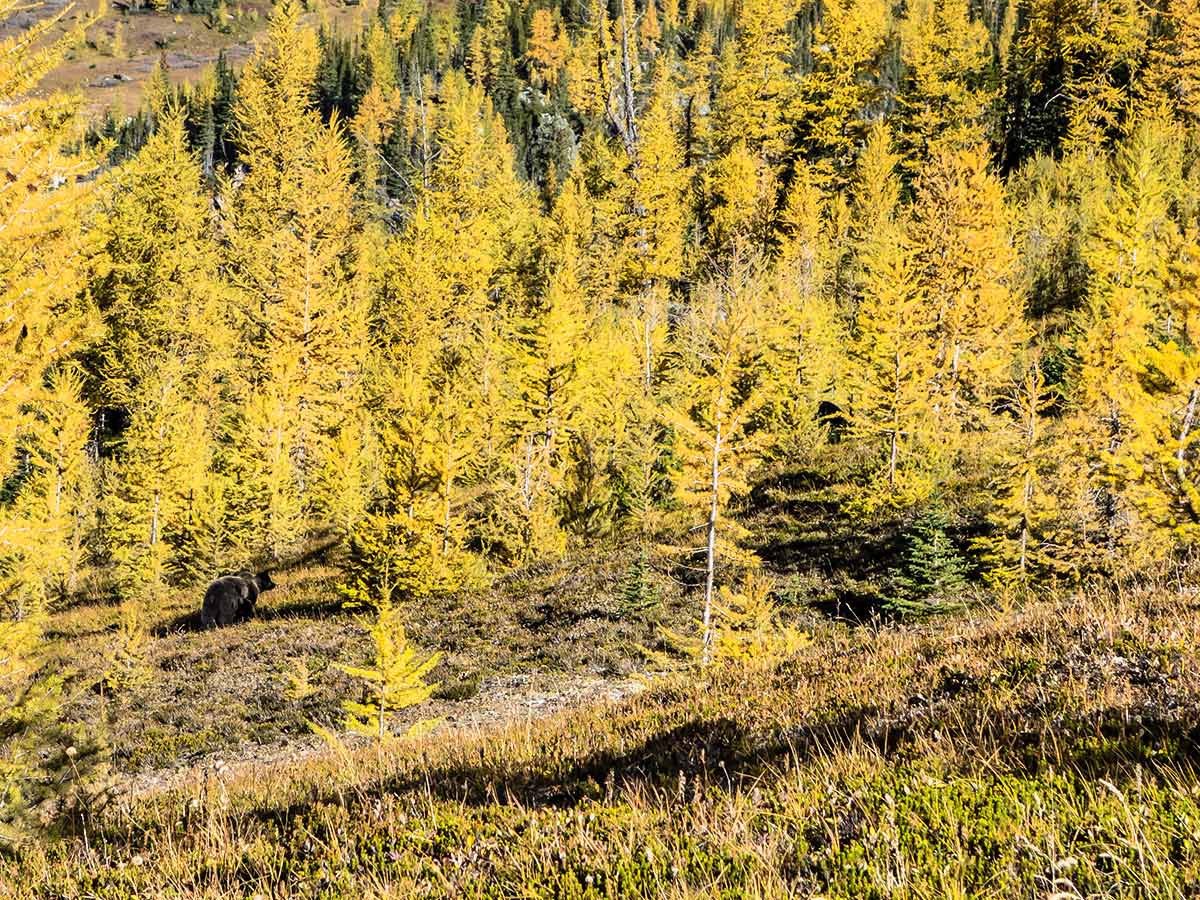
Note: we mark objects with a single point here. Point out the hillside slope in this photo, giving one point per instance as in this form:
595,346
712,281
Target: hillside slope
1046,751
537,639
111,68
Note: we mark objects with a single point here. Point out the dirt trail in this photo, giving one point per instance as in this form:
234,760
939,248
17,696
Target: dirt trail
508,699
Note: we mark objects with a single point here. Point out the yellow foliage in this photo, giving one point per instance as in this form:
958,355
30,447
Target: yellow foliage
892,361
298,680
42,324
127,661
746,629
754,99
965,260
395,678
945,101
548,46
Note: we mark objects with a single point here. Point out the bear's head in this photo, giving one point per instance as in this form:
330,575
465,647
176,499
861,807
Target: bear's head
264,582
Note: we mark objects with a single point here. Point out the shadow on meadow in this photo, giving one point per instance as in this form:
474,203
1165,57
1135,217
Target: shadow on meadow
724,752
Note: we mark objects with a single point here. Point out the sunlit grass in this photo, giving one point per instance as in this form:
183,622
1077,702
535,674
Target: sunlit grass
1044,750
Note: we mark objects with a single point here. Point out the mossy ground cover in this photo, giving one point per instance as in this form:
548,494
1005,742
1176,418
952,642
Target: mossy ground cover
1048,750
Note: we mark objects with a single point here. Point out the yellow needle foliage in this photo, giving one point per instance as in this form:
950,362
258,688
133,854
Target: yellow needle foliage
395,679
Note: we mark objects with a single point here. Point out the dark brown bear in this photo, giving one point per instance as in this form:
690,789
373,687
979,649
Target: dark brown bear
231,598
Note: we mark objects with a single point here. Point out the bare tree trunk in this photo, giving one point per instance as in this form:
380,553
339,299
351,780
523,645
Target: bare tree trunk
1027,492
631,135
892,457
895,450
1028,495
1108,498
625,119
382,709
711,553
1189,419
154,519
527,476
425,151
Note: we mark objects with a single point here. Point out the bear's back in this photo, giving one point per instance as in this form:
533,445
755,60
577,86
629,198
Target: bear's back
227,599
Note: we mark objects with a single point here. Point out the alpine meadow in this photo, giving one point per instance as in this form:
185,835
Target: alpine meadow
600,449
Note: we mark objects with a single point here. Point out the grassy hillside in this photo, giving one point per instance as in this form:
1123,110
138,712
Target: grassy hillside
529,640
867,331
112,66
1044,751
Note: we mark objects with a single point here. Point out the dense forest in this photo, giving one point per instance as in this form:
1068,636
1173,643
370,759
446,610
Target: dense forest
495,278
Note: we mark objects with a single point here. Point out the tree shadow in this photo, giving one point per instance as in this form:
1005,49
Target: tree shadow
552,616
724,753
711,750
301,609
185,622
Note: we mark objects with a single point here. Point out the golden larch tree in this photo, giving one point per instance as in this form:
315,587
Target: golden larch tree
290,230
723,377
966,258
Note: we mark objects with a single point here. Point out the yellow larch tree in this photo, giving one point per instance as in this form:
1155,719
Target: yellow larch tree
653,229
890,376
723,376
741,190
395,678
42,255
370,127
469,215
551,384
965,254
1174,69
1022,543
613,432
946,96
594,213
409,545
168,356
755,87
656,214
147,488
891,350
696,88
649,29
1158,468
548,46
848,42
292,257
590,64
156,278
810,353
42,323
57,498
1127,254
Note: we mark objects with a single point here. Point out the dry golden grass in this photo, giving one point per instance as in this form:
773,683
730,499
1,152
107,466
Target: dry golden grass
1046,750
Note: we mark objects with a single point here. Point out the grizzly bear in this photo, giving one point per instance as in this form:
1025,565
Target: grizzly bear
231,598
